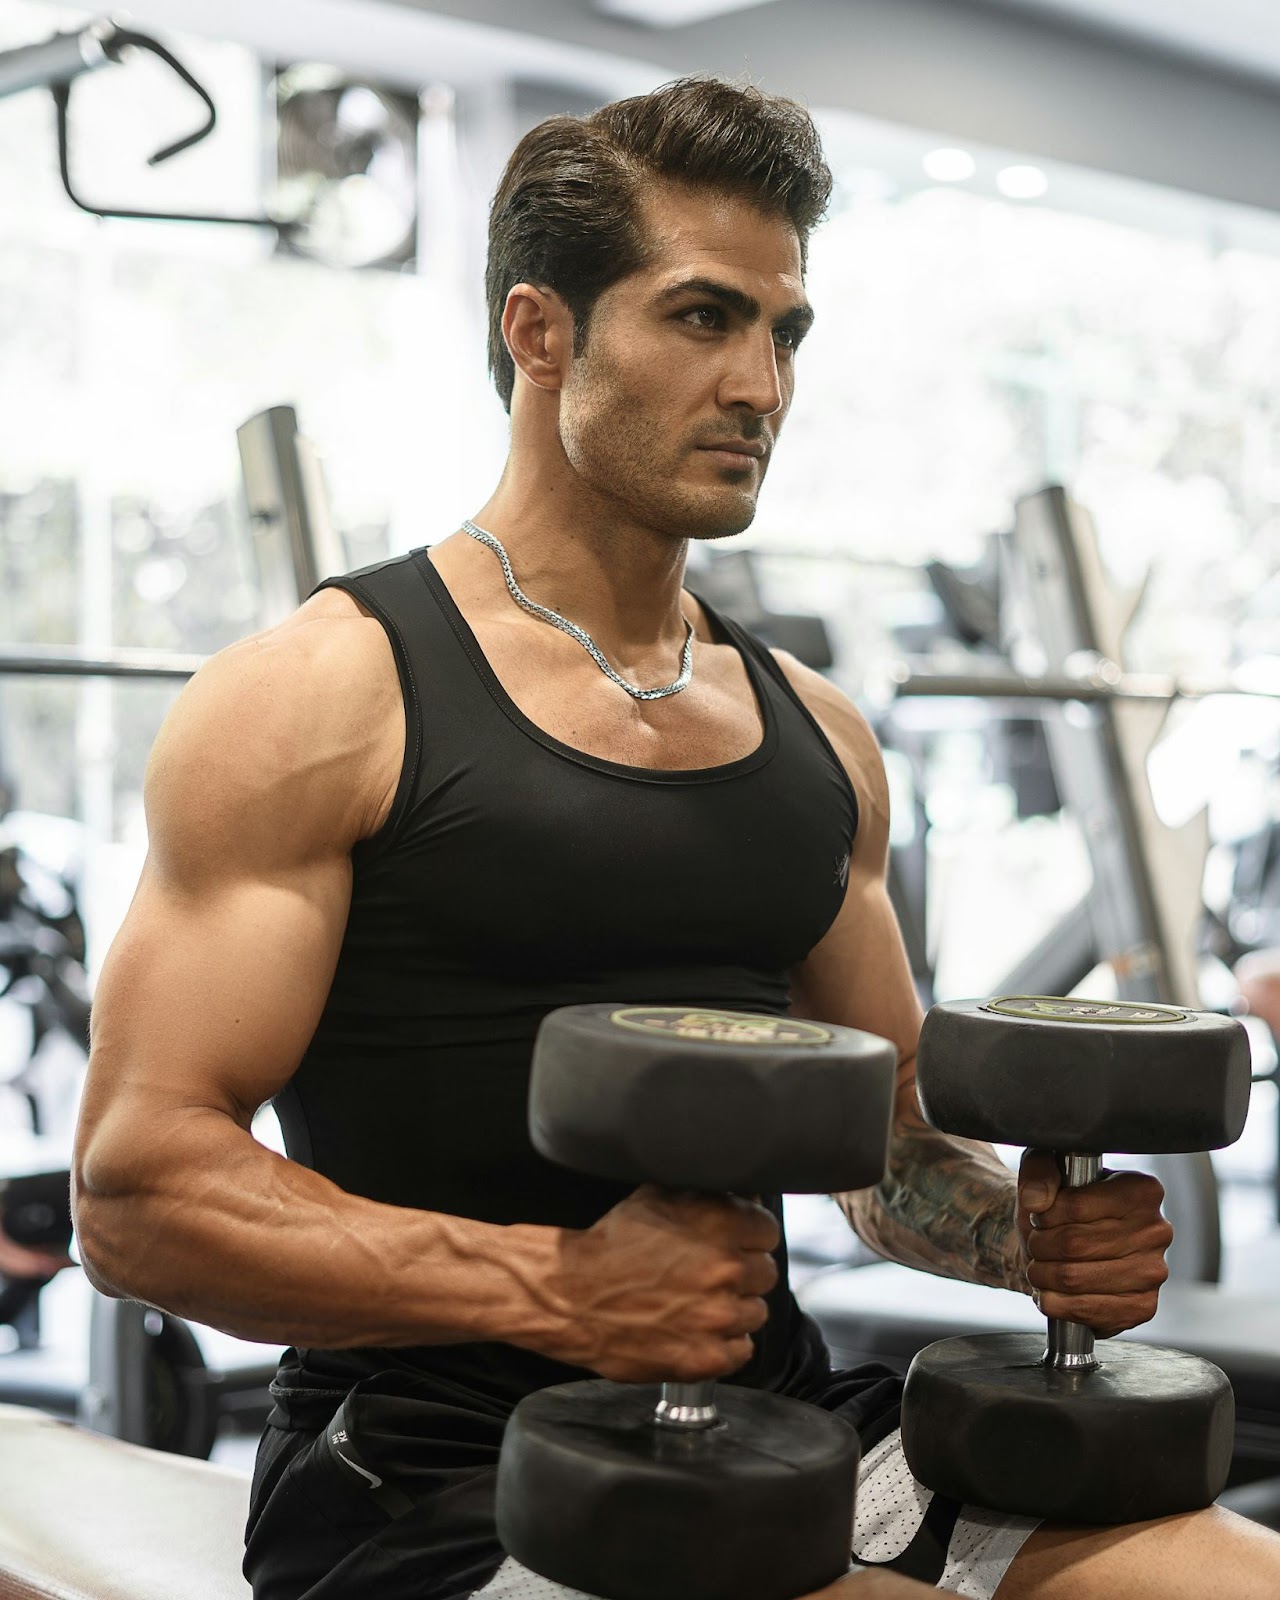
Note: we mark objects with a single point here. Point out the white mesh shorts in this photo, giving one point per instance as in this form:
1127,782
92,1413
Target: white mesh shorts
899,1523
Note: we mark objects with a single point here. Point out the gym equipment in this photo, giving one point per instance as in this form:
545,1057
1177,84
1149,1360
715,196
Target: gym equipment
628,1490
33,662
57,62
35,1211
294,540
1059,613
729,580
295,545
83,1517
999,1420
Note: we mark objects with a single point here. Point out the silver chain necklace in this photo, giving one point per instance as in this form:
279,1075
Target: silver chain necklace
581,634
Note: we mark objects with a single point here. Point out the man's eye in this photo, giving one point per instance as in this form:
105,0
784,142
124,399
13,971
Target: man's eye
704,316
788,338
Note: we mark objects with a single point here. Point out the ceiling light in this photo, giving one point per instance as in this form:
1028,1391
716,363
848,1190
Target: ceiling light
949,166
671,13
1021,183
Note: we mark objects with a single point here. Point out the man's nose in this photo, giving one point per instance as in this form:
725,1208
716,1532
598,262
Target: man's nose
754,380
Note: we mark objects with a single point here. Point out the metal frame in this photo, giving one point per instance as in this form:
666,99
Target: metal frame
294,539
37,662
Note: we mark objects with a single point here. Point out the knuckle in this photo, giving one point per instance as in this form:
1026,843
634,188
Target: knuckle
718,1315
1151,1188
762,1275
724,1271
1053,1305
737,1353
1074,1240
767,1235
1069,1208
697,1362
683,1366
1071,1278
755,1314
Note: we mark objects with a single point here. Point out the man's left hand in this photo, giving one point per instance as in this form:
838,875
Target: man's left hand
1094,1255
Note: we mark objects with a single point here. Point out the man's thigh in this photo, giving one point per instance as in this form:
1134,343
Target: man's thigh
1205,1555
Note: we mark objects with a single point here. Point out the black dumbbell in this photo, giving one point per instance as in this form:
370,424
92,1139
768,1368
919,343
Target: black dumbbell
633,1491
1064,1431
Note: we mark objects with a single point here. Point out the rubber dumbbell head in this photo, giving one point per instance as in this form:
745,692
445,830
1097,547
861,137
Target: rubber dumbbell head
593,1495
724,1101
1065,1074
1147,1433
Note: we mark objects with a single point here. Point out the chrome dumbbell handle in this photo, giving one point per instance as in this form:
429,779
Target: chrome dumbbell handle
1070,1346
687,1406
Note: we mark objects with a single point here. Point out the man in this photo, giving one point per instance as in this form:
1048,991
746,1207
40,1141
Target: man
389,835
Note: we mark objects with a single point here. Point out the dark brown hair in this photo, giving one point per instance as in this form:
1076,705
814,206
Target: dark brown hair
566,215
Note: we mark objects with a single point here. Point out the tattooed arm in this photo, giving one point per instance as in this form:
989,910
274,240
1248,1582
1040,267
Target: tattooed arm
1093,1255
947,1205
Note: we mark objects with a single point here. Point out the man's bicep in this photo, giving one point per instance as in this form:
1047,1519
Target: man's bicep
858,975
208,998
217,978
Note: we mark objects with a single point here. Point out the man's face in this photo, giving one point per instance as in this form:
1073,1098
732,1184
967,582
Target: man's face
675,403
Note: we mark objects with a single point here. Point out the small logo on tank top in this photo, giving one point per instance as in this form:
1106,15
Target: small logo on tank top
842,871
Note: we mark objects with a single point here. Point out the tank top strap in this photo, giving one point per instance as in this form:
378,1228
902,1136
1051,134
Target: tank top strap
754,651
431,662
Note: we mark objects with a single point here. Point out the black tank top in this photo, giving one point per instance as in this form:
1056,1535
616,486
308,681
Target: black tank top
515,874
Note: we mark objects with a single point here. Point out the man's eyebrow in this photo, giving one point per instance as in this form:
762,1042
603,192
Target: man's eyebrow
745,305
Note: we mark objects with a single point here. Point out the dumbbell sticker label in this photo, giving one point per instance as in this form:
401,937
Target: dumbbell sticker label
721,1027
1053,1008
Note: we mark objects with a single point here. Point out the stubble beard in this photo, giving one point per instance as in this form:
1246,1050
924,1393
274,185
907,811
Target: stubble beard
624,457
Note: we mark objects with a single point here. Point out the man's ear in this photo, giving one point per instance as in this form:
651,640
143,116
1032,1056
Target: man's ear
538,328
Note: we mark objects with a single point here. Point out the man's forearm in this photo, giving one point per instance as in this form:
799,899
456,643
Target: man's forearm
218,1229
946,1205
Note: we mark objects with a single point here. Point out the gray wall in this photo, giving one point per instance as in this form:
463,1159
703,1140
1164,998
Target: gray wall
965,69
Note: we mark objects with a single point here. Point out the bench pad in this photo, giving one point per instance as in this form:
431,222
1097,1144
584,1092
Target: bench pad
85,1517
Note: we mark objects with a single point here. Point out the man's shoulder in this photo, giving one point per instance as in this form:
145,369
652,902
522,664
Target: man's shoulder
844,725
305,714
330,644
858,750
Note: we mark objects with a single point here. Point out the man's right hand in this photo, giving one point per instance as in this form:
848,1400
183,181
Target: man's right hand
669,1285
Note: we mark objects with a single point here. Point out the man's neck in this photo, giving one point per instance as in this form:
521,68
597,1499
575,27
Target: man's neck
583,557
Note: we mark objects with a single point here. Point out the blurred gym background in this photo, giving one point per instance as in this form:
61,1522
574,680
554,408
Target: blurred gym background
1027,508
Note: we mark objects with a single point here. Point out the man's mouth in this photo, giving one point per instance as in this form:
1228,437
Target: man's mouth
737,451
